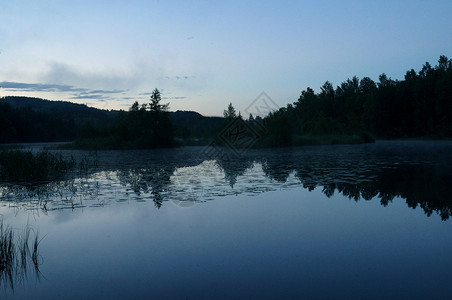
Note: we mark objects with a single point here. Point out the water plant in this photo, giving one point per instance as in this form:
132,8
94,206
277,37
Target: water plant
18,165
15,254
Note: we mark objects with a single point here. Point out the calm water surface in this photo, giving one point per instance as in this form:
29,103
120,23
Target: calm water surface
367,221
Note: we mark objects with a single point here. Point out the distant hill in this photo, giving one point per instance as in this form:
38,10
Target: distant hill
79,113
26,119
190,124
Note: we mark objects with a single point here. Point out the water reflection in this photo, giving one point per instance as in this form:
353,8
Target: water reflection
420,176
417,172
234,168
155,181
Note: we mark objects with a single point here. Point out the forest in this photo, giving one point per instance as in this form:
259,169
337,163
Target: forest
28,120
25,125
357,110
420,106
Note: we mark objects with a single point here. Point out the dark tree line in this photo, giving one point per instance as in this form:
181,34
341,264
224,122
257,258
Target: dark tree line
19,125
80,113
24,119
144,126
193,128
418,106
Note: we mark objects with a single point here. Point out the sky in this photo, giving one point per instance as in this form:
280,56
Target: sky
203,55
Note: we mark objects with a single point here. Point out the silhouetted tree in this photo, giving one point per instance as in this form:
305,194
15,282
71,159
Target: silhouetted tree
155,105
230,112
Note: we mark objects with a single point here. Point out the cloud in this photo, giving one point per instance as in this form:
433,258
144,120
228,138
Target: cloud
95,80
106,92
39,87
75,93
88,96
175,98
116,86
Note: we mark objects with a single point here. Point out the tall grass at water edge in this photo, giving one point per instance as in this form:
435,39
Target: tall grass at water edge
17,254
17,165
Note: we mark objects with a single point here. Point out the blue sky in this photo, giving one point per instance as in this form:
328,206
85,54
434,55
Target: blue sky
204,54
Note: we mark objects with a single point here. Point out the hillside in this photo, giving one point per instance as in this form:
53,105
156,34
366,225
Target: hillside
80,113
190,124
25,119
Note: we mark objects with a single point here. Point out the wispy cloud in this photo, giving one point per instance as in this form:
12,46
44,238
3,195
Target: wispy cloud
175,98
165,95
106,91
39,87
76,92
88,96
60,73
102,87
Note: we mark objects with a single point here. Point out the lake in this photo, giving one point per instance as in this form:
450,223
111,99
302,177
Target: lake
351,221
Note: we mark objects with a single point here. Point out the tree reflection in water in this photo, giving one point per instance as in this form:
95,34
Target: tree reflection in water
144,181
412,171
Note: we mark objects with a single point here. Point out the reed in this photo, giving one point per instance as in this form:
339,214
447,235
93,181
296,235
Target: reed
18,165
15,254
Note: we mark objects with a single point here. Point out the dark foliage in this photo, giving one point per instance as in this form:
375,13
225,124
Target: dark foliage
192,126
16,165
142,127
80,113
19,125
418,106
27,120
